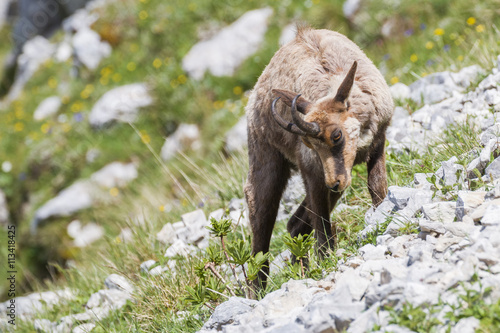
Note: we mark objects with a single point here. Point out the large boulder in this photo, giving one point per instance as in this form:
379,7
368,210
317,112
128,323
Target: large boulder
47,108
120,104
89,49
225,51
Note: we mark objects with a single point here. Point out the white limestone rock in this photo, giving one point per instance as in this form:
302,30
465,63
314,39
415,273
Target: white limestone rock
84,235
47,108
120,104
236,137
74,198
89,48
115,174
223,53
187,136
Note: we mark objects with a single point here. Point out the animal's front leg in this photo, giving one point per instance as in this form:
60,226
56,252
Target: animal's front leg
377,173
319,214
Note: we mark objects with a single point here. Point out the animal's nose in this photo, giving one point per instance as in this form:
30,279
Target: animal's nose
335,186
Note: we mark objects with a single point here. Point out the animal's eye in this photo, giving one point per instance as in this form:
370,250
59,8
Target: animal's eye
336,136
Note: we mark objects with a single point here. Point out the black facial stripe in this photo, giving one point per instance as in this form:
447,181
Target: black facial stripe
338,157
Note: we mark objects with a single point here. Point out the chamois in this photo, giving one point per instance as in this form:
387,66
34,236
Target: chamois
346,108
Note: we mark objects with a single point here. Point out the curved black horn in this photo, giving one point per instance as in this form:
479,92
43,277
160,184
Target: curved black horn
292,128
309,128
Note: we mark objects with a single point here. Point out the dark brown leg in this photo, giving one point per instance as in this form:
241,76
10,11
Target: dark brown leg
334,197
319,214
267,177
300,222
377,173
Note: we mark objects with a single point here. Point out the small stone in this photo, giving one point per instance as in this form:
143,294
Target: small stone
466,325
217,214
47,108
371,252
236,137
430,226
400,91
493,170
179,248
187,136
467,201
400,195
491,215
89,48
227,313
421,182
442,211
83,328
118,282
84,235
167,234
357,285
448,172
43,325
478,213
443,243
145,266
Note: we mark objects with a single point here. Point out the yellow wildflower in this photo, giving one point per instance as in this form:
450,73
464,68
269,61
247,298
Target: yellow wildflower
460,58
117,77
429,45
471,21
45,128
52,82
394,80
131,66
413,58
237,90
157,63
19,113
439,32
145,138
218,104
19,126
161,208
114,191
143,15
182,79
480,28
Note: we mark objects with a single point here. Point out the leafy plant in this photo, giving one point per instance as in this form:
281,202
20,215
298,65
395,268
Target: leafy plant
415,318
300,246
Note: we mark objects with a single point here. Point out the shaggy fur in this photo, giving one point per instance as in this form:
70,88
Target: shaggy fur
315,64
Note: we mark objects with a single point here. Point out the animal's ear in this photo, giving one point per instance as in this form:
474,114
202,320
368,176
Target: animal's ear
346,85
288,96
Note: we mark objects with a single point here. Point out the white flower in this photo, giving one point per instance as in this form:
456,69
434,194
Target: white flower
6,166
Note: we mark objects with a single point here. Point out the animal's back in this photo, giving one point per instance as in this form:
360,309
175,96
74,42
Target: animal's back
314,64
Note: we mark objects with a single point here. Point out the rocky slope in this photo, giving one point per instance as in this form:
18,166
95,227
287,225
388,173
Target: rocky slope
458,238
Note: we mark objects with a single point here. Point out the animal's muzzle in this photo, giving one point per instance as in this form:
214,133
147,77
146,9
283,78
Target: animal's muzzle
335,187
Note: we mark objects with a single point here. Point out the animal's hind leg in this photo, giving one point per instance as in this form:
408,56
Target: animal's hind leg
377,173
300,223
267,177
